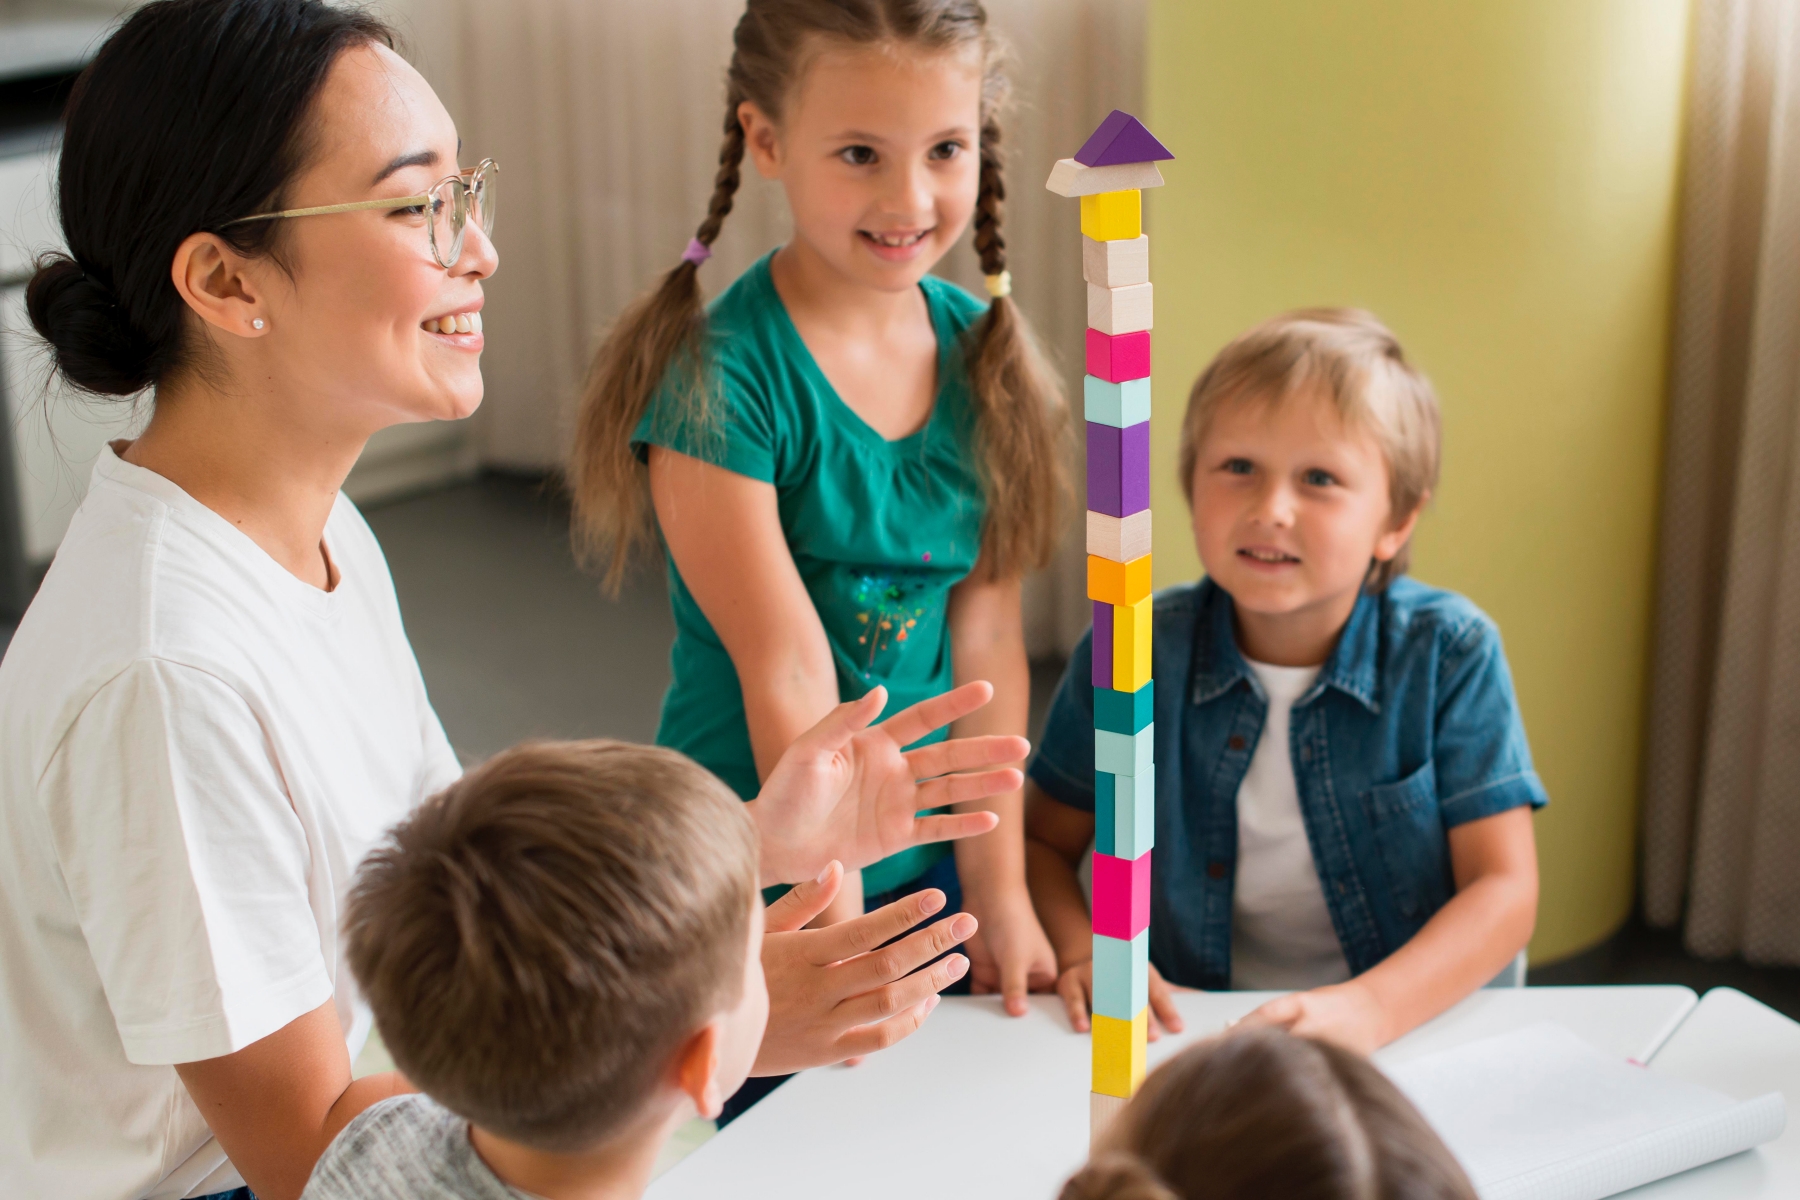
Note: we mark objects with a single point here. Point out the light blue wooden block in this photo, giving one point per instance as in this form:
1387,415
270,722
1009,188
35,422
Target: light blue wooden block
1125,754
1121,976
1120,405
1133,811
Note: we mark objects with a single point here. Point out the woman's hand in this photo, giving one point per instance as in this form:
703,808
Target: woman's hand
1076,987
1345,1013
832,994
1010,956
847,792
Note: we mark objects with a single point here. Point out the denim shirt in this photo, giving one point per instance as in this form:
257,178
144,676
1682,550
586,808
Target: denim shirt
1410,730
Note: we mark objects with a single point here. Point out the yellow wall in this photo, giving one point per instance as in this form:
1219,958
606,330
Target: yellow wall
1497,181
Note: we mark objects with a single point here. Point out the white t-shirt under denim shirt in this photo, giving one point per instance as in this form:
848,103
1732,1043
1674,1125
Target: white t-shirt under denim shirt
1281,932
196,751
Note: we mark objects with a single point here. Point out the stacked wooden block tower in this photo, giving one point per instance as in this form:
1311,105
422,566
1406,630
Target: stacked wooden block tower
1109,174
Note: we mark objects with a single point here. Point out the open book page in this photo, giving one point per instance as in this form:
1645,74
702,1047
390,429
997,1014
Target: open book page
1540,1113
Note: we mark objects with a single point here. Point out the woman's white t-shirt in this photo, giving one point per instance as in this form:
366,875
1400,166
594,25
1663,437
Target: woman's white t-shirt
1281,932
196,751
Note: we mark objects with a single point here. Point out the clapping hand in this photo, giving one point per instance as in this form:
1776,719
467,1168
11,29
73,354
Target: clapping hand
848,791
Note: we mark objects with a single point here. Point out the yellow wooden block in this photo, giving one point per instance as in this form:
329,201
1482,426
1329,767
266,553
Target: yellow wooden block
1118,582
1131,644
1113,216
1119,1053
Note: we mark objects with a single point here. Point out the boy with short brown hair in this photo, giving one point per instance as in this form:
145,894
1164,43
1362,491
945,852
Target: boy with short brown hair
562,952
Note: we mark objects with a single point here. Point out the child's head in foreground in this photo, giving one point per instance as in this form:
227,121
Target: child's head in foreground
1261,1113
565,943
1309,447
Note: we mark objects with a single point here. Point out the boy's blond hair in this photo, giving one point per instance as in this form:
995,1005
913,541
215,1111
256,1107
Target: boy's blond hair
1351,357
539,938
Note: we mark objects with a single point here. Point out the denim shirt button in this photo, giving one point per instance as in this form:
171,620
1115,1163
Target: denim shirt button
1236,743
1215,870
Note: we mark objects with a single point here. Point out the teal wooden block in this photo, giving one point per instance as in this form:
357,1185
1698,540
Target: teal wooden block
1121,975
1124,754
1124,712
1132,813
1106,821
1120,405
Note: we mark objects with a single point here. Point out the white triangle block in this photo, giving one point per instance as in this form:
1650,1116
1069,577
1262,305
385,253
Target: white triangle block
1070,178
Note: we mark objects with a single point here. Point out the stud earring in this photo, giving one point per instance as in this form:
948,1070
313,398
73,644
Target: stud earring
257,324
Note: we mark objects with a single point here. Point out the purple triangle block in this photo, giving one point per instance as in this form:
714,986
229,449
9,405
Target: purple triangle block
1121,138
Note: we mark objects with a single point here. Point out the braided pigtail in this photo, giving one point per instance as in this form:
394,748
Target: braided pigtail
664,330
1021,422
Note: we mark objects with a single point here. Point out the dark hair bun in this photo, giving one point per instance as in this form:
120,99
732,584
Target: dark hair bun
96,348
1116,1176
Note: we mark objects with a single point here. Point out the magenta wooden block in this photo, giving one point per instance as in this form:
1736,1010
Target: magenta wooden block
1118,468
1121,895
1103,644
1118,357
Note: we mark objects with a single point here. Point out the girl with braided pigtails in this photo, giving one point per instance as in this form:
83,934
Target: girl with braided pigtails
851,462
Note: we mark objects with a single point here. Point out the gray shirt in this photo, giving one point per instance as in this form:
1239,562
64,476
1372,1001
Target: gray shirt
406,1148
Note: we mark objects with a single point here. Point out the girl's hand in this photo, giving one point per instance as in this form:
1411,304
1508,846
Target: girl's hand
1345,1013
1010,955
1076,987
848,792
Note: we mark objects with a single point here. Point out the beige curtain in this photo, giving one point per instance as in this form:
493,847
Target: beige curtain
1722,782
606,117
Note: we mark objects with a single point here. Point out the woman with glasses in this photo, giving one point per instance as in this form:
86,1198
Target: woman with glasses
210,712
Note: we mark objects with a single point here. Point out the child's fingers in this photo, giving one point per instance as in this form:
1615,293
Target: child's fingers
1073,990
1281,1013
1015,981
859,935
1162,1004
947,827
960,789
867,1039
909,725
875,970
804,901
890,1001
967,754
842,723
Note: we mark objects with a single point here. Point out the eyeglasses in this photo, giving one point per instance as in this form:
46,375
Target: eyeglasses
451,202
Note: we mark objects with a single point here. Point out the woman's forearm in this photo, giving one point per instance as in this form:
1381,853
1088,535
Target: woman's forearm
988,642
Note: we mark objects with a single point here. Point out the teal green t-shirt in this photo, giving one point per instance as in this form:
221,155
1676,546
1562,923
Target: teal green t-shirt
880,530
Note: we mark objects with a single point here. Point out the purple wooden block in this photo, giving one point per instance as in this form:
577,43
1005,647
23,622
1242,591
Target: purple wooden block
1118,468
1103,644
1121,138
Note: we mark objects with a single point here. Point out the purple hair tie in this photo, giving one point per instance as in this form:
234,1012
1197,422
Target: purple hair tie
697,252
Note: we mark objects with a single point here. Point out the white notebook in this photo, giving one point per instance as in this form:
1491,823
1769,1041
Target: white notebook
1539,1113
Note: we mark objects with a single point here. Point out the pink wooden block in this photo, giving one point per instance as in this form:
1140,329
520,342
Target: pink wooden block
1121,895
1118,357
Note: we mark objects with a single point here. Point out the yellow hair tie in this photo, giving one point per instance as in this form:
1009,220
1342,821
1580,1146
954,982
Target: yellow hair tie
999,285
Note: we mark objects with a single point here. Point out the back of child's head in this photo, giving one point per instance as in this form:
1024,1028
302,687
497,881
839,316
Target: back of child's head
1017,402
1262,1113
1348,357
538,940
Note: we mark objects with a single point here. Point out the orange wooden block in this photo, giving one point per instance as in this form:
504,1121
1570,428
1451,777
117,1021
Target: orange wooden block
1118,582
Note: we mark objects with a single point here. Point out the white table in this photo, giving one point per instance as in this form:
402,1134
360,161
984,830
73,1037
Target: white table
1738,1046
983,1105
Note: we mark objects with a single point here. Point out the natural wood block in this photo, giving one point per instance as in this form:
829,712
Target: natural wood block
1070,178
1131,629
1116,264
1119,1053
1101,1111
1121,404
1121,583
1120,309
1121,903
1118,538
1113,216
1121,975
1118,358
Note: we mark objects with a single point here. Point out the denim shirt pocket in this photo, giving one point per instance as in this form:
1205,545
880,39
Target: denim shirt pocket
1409,834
